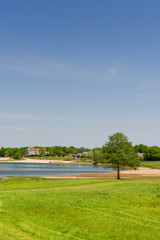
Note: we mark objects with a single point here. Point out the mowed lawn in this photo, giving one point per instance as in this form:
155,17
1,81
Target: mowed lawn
33,208
150,164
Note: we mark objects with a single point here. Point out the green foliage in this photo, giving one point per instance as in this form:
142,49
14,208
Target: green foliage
42,151
71,150
68,158
119,152
152,154
82,149
17,155
141,148
5,152
98,156
90,155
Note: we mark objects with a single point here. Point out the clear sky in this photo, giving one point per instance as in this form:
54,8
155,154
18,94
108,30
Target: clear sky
73,72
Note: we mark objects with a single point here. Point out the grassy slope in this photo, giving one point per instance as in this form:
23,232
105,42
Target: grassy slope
32,208
150,164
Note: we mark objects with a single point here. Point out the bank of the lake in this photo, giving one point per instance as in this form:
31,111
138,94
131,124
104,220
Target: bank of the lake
43,160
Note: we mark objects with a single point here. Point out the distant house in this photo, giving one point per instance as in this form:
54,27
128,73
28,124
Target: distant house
140,155
34,151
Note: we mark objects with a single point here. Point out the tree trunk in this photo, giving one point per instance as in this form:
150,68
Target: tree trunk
118,173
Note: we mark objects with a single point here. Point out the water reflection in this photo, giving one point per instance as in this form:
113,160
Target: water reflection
49,169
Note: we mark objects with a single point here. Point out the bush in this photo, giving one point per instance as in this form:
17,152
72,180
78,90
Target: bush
17,155
68,158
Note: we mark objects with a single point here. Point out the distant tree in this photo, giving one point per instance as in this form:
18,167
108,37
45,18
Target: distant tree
53,150
141,148
153,154
49,150
64,150
90,155
14,151
155,147
82,149
71,150
6,153
119,152
17,155
42,152
59,150
97,148
98,156
2,152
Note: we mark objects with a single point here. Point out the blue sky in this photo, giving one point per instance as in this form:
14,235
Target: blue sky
74,72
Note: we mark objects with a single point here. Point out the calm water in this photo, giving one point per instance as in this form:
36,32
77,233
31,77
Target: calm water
49,169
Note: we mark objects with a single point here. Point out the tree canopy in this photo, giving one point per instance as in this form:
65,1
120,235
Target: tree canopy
119,152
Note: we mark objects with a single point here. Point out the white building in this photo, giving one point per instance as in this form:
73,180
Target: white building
32,151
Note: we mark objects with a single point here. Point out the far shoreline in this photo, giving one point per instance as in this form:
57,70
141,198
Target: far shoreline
29,160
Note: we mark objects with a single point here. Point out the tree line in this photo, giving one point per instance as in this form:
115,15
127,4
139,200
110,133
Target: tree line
148,153
18,153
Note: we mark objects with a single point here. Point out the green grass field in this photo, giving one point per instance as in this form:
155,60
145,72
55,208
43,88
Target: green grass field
150,164
34,208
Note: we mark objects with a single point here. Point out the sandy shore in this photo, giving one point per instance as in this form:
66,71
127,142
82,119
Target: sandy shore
29,160
141,172
4,159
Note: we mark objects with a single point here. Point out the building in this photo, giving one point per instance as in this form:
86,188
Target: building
140,155
34,151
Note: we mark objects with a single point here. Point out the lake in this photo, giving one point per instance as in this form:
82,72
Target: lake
49,169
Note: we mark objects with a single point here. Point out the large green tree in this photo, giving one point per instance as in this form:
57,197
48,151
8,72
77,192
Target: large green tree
119,152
